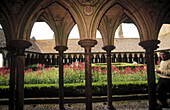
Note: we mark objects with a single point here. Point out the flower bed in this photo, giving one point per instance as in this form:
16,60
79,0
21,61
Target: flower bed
43,82
75,73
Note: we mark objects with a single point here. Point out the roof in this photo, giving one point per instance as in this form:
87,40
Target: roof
121,44
35,47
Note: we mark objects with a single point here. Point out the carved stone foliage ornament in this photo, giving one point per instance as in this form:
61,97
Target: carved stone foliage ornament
88,10
16,5
58,18
88,6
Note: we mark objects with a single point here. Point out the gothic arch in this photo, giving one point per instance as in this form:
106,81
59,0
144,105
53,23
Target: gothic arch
69,6
44,10
131,10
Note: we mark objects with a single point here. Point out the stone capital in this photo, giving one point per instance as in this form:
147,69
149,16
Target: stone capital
150,45
60,48
19,46
87,43
108,47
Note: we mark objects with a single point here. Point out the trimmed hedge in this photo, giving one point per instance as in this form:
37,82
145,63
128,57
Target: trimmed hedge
34,67
119,65
78,89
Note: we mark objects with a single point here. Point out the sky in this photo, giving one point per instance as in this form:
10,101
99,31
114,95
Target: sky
41,30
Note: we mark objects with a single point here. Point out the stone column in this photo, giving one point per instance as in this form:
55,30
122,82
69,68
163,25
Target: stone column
108,50
150,46
61,50
20,46
87,44
12,79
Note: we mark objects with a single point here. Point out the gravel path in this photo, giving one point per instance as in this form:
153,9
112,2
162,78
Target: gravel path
119,105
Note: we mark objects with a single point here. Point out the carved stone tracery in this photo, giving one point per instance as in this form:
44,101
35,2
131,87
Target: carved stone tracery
88,6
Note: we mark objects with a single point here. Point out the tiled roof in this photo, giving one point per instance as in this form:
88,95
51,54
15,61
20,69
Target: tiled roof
46,46
34,47
122,45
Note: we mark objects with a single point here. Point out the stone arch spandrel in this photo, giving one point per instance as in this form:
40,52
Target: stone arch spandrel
109,23
15,13
60,22
87,11
47,11
150,12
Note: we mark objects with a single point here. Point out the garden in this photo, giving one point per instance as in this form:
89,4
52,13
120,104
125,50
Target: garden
126,77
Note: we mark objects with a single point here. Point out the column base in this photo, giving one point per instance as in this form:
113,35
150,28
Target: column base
109,108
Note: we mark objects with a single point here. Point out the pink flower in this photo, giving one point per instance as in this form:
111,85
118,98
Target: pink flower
104,72
43,65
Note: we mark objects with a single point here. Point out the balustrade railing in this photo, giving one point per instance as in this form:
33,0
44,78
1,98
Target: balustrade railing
52,59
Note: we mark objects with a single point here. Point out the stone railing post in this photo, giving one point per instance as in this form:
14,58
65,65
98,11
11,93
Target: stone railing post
61,50
108,50
20,46
150,46
87,44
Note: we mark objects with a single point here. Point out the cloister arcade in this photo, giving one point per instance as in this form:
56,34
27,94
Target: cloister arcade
18,16
52,59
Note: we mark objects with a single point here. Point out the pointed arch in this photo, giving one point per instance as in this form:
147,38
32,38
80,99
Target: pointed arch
41,8
131,9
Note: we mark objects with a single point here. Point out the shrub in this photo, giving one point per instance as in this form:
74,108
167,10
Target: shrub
78,89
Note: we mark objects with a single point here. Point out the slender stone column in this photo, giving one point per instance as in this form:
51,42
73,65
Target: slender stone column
150,46
108,50
61,49
87,44
20,46
12,79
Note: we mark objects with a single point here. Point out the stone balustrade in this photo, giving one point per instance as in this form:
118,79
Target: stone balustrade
52,58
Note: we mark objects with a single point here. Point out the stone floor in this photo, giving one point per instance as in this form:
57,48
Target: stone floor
119,105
